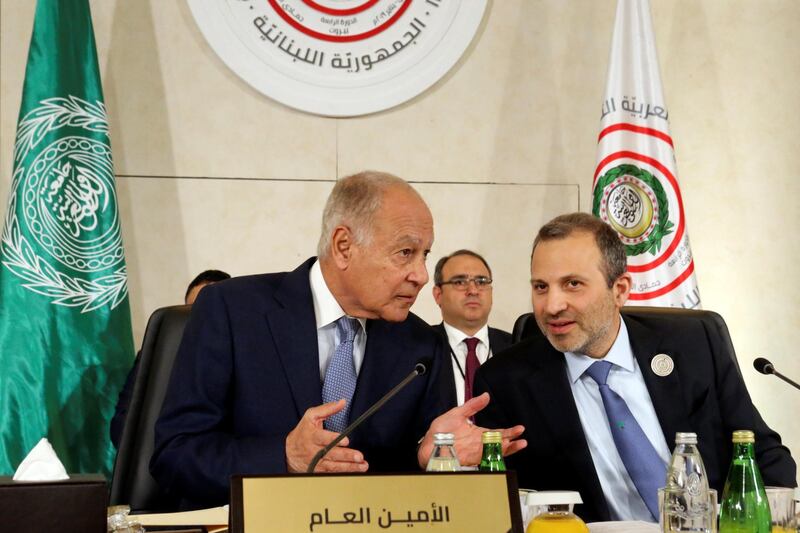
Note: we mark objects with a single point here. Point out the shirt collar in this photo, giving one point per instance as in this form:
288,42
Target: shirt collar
326,309
620,355
456,336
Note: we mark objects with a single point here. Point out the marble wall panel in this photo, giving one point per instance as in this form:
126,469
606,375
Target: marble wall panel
175,109
508,110
176,228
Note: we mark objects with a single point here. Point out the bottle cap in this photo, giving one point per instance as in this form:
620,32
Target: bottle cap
685,438
743,436
443,439
492,437
553,497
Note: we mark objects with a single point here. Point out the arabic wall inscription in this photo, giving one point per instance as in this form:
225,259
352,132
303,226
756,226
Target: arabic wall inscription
333,59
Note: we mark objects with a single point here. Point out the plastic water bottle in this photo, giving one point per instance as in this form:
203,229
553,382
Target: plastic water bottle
686,499
443,458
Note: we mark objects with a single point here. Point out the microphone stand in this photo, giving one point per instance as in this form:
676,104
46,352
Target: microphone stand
787,380
419,369
764,366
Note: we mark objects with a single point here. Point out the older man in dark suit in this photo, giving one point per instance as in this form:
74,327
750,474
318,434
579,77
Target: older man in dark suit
602,397
462,288
273,367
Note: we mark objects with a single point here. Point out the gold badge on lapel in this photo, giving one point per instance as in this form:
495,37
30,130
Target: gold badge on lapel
662,365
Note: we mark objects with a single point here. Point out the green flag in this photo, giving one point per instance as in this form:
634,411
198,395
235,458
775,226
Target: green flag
65,328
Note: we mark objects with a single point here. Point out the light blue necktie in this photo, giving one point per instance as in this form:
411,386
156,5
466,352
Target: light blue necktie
644,466
340,378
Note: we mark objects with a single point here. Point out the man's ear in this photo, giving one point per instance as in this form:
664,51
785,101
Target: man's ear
437,295
622,289
342,247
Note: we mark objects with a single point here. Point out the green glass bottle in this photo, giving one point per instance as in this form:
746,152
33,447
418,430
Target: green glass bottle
492,459
744,508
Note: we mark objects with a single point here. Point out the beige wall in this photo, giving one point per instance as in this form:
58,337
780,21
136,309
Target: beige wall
213,174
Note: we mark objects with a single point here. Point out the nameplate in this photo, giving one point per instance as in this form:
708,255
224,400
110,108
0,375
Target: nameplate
356,503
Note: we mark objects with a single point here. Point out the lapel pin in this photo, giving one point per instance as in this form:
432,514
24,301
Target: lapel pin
662,365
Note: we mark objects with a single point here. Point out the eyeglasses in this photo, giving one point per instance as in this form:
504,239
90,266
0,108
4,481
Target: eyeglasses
460,283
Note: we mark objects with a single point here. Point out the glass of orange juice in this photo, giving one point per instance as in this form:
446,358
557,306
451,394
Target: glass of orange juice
555,514
781,507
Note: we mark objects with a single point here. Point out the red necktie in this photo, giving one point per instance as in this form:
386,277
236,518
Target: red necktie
471,366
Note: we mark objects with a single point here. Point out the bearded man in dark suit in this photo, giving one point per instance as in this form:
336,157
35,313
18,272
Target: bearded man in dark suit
602,396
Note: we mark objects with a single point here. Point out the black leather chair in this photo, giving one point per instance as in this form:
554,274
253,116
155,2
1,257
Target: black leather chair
131,483
525,326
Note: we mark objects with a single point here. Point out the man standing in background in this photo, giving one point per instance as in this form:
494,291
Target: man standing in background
463,290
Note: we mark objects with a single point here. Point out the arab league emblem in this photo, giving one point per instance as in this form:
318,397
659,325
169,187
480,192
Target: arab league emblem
65,241
662,365
634,203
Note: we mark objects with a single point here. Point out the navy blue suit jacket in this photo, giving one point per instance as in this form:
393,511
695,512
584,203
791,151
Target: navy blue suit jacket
247,370
704,394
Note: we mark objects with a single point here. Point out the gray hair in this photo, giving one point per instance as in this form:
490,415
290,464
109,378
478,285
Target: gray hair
615,261
353,202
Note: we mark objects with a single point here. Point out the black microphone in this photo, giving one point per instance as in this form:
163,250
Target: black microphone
419,369
765,367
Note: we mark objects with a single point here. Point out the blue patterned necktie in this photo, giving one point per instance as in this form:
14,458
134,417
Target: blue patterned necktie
644,466
340,378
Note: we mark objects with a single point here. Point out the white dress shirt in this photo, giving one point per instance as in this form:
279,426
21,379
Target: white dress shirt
455,337
327,311
625,378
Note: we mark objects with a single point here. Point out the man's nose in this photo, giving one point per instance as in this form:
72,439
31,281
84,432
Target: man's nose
472,286
554,302
419,274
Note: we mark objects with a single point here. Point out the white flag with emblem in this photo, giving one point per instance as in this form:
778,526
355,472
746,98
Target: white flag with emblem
635,187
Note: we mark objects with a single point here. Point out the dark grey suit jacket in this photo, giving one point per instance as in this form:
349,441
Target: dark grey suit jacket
247,370
704,394
499,340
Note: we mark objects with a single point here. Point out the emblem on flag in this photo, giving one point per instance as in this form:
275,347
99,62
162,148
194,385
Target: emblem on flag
635,187
65,188
65,332
634,203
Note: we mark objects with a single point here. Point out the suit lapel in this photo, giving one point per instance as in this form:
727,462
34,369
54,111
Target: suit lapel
497,341
379,368
294,331
554,395
664,390
495,344
448,377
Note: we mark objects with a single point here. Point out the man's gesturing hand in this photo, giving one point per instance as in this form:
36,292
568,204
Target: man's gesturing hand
468,436
308,437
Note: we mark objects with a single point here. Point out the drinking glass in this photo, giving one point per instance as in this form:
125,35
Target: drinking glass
781,507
